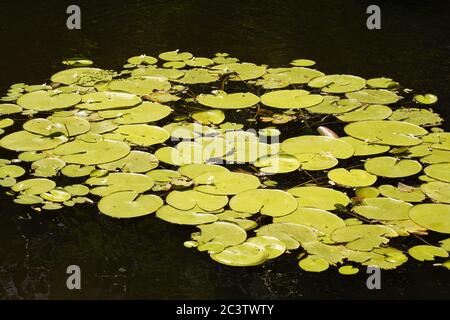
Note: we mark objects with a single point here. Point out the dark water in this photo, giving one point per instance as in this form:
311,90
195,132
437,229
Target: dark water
145,258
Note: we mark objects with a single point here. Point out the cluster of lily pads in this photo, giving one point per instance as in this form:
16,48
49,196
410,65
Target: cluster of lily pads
169,136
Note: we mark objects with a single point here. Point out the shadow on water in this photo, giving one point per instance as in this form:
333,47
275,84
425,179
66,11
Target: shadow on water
145,258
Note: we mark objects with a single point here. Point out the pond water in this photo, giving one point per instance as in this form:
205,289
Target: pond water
144,257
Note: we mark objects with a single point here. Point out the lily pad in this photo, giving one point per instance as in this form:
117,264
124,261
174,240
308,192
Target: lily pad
27,141
135,162
370,112
129,204
426,99
225,233
392,167
242,255
363,148
291,234
318,144
142,59
209,116
194,170
196,76
139,85
115,182
334,105
383,209
12,171
433,216
226,183
223,100
319,197
281,163
382,83
187,200
75,170
48,100
175,56
338,83
273,203
83,76
372,96
290,99
244,71
420,117
394,133
34,186
363,237
272,245
108,100
352,177
439,171
427,252
194,216
314,263
410,195
89,153
437,191
142,134
9,108
47,167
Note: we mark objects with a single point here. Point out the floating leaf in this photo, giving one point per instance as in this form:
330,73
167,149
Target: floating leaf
363,148
382,83
318,144
426,252
439,171
196,76
26,141
363,237
82,76
280,163
115,182
426,99
348,270
245,71
416,116
372,96
187,200
226,183
194,216
392,167
437,191
370,112
394,133
12,171
142,59
34,186
273,203
175,56
319,197
48,100
434,216
303,62
223,100
352,177
273,246
9,108
135,161
334,105
383,209
314,263
242,255
209,116
129,204
47,167
142,134
414,195
75,170
290,99
225,233
338,83
89,153
108,100
139,85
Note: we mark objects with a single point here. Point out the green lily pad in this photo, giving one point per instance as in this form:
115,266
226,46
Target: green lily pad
226,183
318,144
382,83
9,108
196,76
411,195
194,170
445,244
142,134
437,191
338,83
372,96
363,148
383,209
273,246
319,197
280,163
433,216
392,167
420,117
34,186
193,216
174,64
153,71
370,112
439,171
348,270
7,122
75,170
199,62
135,162
244,71
242,255
314,263
291,75
427,253
187,200
142,59
321,220
7,182
209,116
56,195
384,258
426,99
12,171
223,100
163,175
291,234
334,105
30,156
363,237
303,62
47,167
27,141
394,133
48,100
352,177
115,182
316,161
89,153
108,100
175,55
367,192
77,189
139,85
129,204
225,233
290,99
28,199
83,76
273,203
